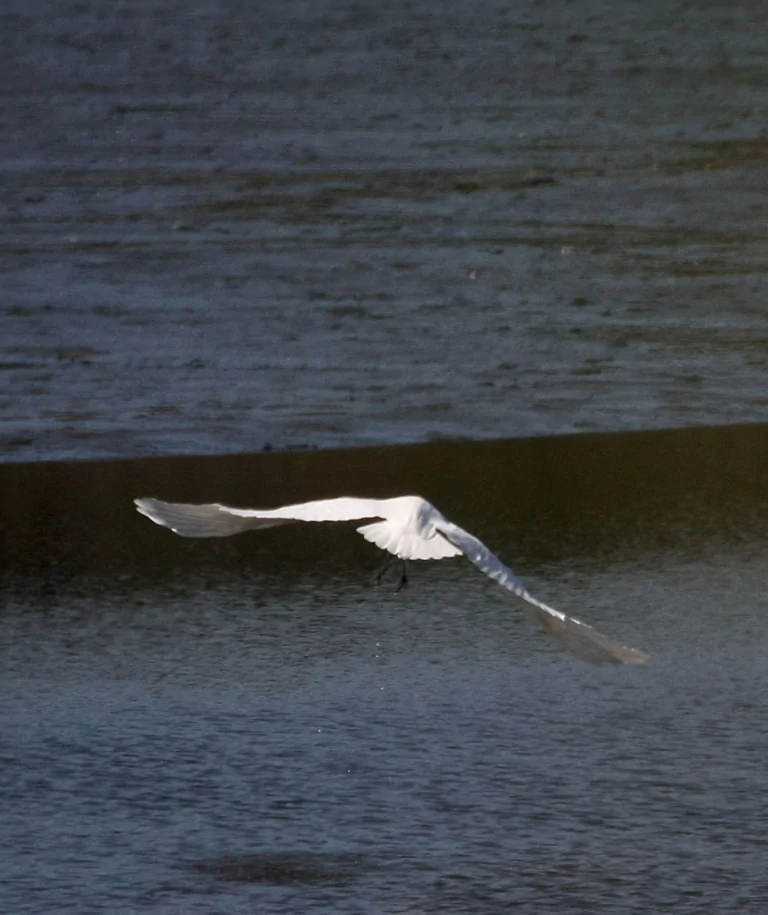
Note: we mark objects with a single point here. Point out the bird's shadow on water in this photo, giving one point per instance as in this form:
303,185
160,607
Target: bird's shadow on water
286,868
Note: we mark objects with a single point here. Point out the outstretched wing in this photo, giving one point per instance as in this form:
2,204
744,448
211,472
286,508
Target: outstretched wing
576,636
216,520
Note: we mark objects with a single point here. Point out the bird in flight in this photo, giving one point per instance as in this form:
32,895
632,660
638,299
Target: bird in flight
408,527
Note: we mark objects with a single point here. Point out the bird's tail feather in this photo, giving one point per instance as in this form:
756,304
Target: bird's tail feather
407,546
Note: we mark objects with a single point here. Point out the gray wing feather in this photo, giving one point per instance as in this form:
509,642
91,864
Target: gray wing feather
201,520
576,636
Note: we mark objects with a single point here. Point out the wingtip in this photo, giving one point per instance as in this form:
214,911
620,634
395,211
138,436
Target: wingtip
148,507
634,656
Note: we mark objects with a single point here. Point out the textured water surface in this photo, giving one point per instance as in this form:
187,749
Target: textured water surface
234,226
251,725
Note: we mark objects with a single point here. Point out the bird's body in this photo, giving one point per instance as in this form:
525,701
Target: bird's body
408,527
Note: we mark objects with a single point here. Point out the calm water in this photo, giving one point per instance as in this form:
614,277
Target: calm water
232,225
250,725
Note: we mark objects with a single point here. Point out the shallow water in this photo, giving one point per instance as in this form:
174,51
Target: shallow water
233,226
250,725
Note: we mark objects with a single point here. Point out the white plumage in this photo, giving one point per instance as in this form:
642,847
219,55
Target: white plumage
409,528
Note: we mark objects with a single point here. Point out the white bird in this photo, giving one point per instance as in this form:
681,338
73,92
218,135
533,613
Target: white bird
407,527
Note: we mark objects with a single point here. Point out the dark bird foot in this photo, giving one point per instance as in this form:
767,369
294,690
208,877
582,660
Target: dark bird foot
403,574
383,569
403,577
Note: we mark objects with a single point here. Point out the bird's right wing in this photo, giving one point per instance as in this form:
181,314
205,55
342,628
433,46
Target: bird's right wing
576,636
216,520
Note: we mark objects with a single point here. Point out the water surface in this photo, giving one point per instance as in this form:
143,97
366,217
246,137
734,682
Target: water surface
250,725
233,225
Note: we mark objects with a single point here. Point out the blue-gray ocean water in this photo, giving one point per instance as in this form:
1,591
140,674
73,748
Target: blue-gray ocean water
252,725
231,225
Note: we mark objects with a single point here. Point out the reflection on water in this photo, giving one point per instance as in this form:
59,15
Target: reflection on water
251,725
286,868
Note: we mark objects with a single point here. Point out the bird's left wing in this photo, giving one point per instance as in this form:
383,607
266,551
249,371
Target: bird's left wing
576,636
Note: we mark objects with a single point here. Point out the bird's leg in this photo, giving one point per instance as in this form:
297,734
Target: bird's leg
403,574
403,577
384,567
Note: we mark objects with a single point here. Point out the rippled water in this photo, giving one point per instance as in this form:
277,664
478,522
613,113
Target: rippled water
250,725
229,226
